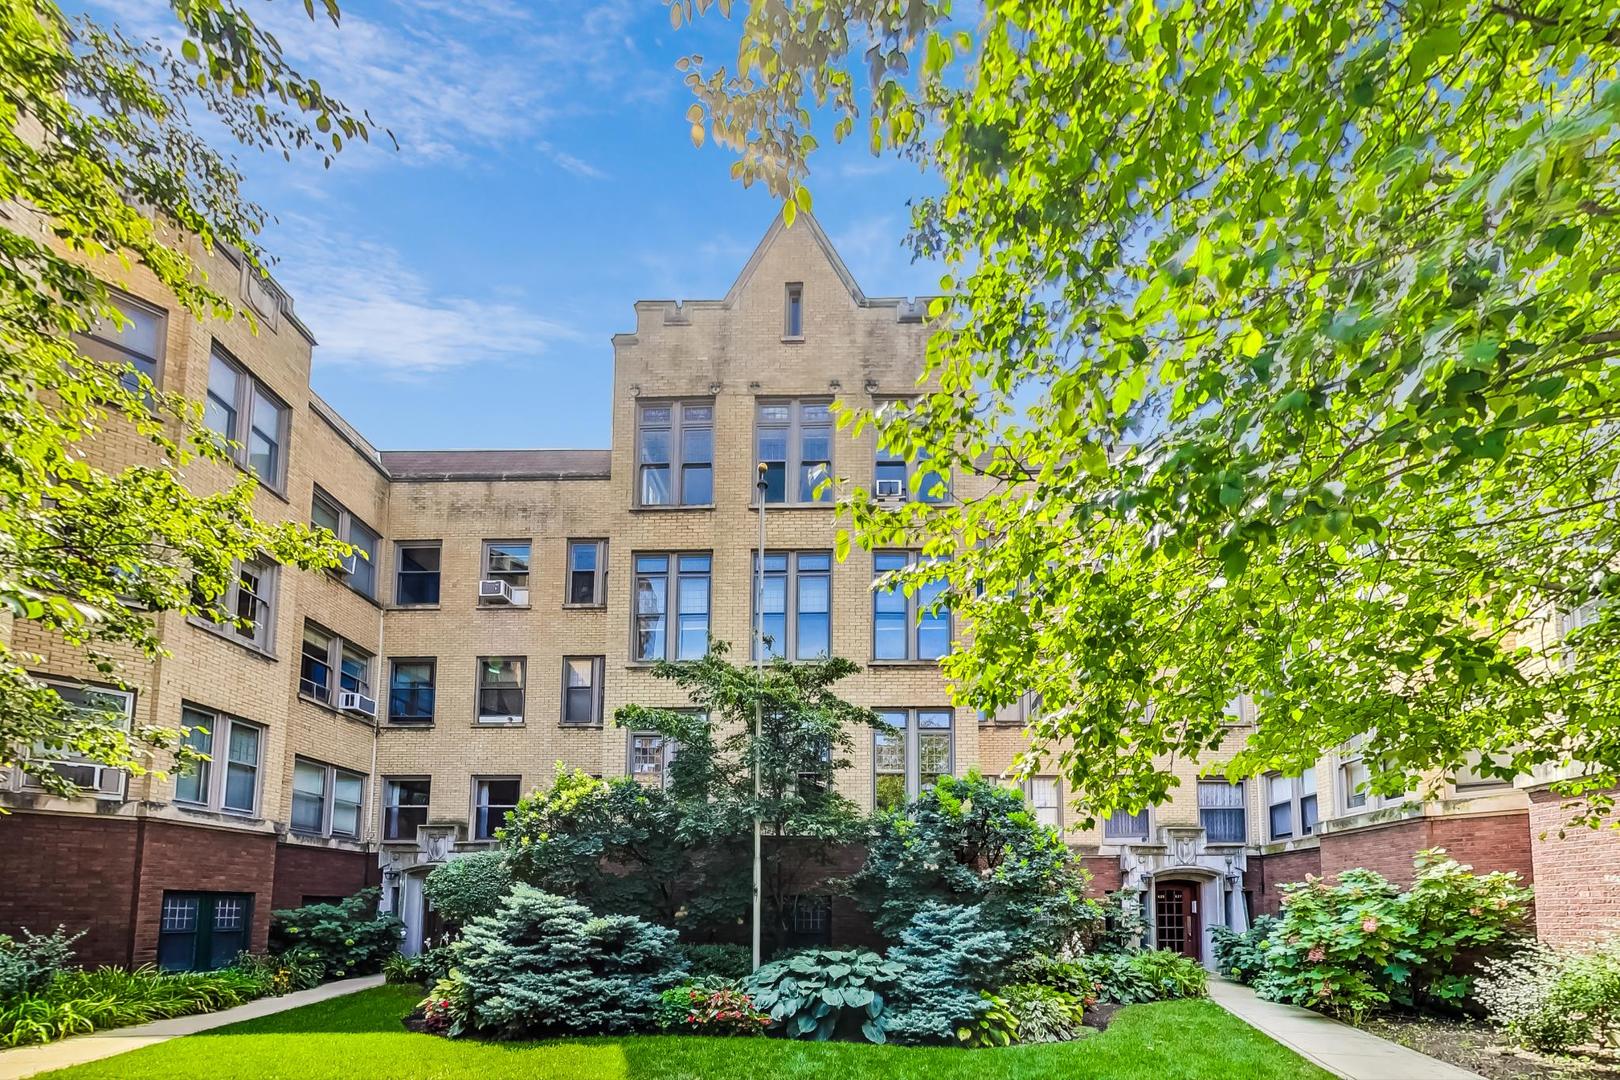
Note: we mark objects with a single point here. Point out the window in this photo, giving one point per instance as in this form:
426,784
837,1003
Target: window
907,627
675,454
359,570
325,799
793,311
500,689
657,576
650,757
1042,794
1291,805
1018,714
230,781
898,478
1355,776
416,579
203,931
326,656
242,410
810,921
797,604
1124,825
1574,620
410,692
103,706
493,799
1221,812
405,807
587,573
913,756
508,561
1471,778
247,612
582,691
794,441
135,344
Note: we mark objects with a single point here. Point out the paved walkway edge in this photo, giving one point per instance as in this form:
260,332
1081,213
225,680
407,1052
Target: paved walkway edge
1342,1050
22,1061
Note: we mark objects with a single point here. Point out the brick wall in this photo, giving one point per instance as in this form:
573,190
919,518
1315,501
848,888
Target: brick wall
1577,874
72,871
1105,873
1266,872
180,857
303,871
1495,842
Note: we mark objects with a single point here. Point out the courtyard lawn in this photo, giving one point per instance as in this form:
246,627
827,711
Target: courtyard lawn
360,1036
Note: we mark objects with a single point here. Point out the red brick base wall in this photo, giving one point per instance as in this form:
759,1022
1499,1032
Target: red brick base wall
1265,873
76,872
1105,873
184,857
1577,874
304,873
1487,843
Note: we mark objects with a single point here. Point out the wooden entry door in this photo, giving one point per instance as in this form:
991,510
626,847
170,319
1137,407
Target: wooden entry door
1175,918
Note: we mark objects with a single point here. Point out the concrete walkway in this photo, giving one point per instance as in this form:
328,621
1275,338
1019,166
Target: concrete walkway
24,1061
1339,1048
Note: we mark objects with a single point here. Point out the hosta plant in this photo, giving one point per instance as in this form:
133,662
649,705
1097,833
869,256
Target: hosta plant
819,993
995,1025
1043,1014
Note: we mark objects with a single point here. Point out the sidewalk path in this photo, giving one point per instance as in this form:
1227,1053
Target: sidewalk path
1339,1048
24,1061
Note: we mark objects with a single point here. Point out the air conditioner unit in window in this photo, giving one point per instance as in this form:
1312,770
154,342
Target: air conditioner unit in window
500,720
890,489
347,564
350,701
494,591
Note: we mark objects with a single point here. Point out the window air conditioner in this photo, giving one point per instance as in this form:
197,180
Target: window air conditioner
494,591
350,701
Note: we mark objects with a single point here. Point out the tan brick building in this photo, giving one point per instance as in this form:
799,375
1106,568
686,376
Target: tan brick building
378,720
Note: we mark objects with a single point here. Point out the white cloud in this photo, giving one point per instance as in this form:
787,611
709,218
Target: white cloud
568,162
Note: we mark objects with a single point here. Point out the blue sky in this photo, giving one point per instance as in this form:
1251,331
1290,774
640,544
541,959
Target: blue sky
463,289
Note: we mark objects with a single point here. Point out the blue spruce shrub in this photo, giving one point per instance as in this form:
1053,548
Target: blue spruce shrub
947,956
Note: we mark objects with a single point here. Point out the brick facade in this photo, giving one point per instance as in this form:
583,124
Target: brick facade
71,871
1486,842
1266,872
306,873
1577,874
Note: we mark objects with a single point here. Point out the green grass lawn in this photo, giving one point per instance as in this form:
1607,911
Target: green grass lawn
359,1037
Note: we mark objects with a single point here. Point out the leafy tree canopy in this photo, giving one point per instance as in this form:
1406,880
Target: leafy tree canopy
1282,340
104,170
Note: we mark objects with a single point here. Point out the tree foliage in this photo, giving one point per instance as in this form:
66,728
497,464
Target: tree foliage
1281,339
468,886
103,169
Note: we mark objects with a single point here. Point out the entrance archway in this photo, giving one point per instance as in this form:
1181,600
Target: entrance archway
1177,919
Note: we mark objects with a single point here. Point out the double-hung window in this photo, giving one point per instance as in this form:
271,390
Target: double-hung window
658,579
1291,805
405,806
675,454
910,758
897,477
1222,812
359,570
416,576
134,344
508,561
582,690
587,573
93,705
1355,780
330,665
493,798
1472,779
411,691
1042,794
796,614
793,439
240,408
229,781
500,689
326,800
907,627
246,611
1123,826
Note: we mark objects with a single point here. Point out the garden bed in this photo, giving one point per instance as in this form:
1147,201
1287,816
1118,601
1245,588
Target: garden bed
1475,1045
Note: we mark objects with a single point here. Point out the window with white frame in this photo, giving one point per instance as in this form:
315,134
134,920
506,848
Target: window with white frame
1122,825
229,781
246,612
793,311
240,408
134,343
508,561
1222,813
1472,778
493,798
797,608
1042,794
329,665
326,800
416,574
1355,778
1291,809
651,755
582,690
359,570
675,454
102,706
1019,714
907,627
500,689
911,757
793,440
587,573
1575,620
686,578
405,806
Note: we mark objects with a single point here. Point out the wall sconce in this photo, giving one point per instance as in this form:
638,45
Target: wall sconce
871,386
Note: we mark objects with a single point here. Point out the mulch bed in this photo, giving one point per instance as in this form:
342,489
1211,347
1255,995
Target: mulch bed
1472,1044
1098,1016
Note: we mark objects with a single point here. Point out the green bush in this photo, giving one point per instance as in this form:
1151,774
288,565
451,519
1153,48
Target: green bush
1360,943
350,937
819,993
296,969
1044,1014
1120,978
710,1007
544,964
994,1023
469,886
77,1002
1553,1000
718,961
1242,957
1169,975
946,956
29,962
401,970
